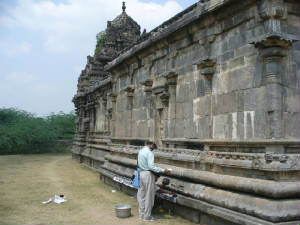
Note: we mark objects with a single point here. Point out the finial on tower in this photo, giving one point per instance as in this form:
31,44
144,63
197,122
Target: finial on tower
124,7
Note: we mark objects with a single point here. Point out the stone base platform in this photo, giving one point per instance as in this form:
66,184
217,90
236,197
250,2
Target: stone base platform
198,211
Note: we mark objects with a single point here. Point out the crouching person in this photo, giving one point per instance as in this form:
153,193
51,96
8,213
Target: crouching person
159,189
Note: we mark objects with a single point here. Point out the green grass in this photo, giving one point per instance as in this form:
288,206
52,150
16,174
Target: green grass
27,180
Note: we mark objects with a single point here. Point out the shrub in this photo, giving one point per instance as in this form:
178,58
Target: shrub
101,38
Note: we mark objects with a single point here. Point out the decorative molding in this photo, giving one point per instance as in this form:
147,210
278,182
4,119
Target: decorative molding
113,97
147,83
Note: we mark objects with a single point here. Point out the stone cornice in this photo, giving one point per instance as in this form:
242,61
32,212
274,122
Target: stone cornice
147,82
93,88
258,142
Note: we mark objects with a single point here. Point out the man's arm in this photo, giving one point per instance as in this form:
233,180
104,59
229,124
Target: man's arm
151,164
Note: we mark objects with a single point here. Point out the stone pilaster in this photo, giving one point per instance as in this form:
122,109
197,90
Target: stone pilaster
113,99
207,69
273,51
130,95
106,114
171,120
148,91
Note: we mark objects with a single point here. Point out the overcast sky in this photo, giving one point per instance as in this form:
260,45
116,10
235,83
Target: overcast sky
44,44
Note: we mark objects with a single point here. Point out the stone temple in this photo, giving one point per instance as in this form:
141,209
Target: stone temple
217,88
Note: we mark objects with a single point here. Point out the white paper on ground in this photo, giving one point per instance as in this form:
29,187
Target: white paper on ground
59,200
47,202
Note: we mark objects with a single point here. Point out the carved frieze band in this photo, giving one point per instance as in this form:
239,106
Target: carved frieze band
261,161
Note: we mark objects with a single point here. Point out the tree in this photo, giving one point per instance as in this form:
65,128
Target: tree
23,133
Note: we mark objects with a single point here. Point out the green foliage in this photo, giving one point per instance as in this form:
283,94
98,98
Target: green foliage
22,132
62,124
101,38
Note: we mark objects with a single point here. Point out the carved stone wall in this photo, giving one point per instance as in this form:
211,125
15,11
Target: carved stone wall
217,88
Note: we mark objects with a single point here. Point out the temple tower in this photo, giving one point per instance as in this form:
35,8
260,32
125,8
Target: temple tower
120,33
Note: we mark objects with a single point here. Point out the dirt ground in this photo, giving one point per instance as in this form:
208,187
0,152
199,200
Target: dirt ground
26,181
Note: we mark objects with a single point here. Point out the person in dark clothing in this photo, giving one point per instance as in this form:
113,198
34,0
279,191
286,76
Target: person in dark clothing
159,189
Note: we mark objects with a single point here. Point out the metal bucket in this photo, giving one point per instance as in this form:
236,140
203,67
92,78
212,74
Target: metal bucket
123,211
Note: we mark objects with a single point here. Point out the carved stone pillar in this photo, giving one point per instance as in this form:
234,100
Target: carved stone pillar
104,112
207,69
98,112
130,94
92,111
160,97
171,117
148,91
273,50
113,98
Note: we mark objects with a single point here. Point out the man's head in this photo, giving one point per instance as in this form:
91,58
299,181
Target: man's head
151,145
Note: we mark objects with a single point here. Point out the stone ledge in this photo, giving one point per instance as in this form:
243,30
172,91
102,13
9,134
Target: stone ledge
100,147
267,209
271,189
93,88
226,214
100,159
216,142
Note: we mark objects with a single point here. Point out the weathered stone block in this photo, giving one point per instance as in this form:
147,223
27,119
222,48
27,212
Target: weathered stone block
202,127
225,57
220,83
254,99
242,78
171,128
202,106
260,124
187,110
172,111
142,129
291,124
179,111
200,88
236,62
142,114
292,80
181,92
225,103
291,99
179,128
220,129
151,128
189,128
134,128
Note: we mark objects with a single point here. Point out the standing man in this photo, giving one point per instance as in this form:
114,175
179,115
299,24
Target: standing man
146,192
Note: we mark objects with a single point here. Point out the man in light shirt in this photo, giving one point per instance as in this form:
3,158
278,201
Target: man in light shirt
146,192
